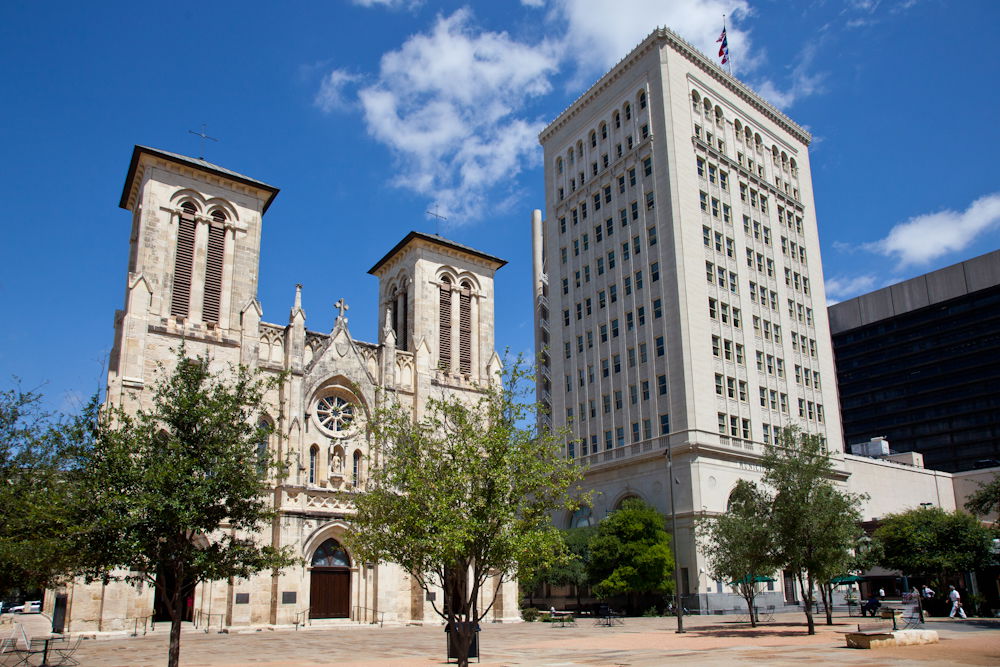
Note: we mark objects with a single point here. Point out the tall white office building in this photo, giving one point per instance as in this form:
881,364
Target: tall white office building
679,290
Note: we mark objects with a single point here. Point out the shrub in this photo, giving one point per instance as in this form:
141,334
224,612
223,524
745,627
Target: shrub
529,614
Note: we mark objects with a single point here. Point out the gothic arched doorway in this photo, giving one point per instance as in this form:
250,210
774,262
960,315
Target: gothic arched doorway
330,582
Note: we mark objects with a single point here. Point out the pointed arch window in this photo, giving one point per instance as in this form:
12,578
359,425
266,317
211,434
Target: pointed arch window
214,258
264,430
356,469
180,299
330,554
444,325
313,463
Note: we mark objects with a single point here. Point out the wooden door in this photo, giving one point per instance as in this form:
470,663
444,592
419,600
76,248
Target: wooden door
330,593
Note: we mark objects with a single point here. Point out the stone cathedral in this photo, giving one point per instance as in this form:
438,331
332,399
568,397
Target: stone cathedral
192,276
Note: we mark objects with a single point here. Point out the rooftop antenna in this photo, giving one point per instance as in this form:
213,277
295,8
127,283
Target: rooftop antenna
438,218
201,146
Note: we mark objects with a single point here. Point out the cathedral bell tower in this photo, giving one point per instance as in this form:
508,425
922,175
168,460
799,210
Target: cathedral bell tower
436,299
193,262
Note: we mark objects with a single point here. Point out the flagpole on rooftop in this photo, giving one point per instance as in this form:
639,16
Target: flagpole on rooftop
729,57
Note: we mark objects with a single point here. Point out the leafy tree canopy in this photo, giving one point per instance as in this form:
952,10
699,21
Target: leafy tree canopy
739,544
986,499
933,542
36,493
631,552
464,494
178,489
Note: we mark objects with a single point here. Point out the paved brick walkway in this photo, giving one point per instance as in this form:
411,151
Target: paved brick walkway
640,642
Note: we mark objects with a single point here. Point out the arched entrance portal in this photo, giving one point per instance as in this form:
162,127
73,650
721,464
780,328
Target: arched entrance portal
330,582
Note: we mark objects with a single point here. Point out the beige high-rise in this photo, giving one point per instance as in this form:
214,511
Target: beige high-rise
679,288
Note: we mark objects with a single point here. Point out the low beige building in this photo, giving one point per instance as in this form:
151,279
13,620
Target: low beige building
192,277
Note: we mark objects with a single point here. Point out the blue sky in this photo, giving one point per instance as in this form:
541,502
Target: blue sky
369,113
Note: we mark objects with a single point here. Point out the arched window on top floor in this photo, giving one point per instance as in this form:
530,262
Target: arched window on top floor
180,297
707,104
214,259
793,167
444,324
738,126
616,119
628,111
465,329
642,99
604,130
593,139
718,114
559,165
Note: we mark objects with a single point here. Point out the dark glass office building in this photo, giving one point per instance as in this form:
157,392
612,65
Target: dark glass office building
919,363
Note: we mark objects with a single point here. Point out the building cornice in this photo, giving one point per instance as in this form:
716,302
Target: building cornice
666,37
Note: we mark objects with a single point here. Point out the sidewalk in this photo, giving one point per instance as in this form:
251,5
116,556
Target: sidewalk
640,642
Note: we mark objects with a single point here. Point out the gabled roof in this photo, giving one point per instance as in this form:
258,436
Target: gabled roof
196,163
438,240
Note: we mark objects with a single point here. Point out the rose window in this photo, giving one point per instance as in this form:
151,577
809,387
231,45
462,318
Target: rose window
334,413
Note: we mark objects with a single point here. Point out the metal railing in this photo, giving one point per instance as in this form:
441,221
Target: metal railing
363,614
302,618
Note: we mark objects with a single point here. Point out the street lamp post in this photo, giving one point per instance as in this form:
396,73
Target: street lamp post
673,529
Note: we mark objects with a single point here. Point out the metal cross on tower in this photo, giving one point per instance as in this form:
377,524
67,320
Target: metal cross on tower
438,217
201,147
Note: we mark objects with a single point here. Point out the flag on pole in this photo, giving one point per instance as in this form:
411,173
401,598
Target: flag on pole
724,47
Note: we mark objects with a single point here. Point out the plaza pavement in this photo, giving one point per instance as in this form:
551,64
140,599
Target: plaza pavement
639,642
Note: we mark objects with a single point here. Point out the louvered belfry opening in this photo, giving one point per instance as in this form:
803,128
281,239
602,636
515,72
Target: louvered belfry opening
444,325
213,268
180,300
465,330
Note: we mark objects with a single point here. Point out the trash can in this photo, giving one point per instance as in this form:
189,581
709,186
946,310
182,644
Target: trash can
473,646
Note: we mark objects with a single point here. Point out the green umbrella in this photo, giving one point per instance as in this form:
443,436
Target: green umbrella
748,579
846,579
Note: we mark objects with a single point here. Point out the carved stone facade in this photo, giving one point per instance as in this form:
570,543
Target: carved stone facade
192,277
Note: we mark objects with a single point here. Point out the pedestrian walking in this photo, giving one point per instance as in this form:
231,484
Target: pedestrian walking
956,603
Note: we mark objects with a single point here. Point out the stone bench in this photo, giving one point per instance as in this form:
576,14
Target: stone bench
881,636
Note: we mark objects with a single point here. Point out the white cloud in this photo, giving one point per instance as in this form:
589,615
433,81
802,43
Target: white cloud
926,237
389,4
599,33
331,90
533,3
803,82
845,287
445,102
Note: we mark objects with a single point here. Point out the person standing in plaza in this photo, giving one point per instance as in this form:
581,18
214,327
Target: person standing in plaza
956,603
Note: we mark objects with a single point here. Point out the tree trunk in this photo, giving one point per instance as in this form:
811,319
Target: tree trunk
176,614
749,597
807,599
828,602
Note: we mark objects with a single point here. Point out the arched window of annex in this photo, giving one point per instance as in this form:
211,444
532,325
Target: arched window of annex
626,497
330,554
313,464
758,142
718,114
707,105
559,165
616,119
793,167
641,99
627,109
593,139
696,101
580,518
775,155
603,127
748,136
579,148
738,127
784,161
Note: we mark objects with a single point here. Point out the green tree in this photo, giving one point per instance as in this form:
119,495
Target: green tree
36,492
177,492
463,495
739,544
814,523
932,542
986,500
630,553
